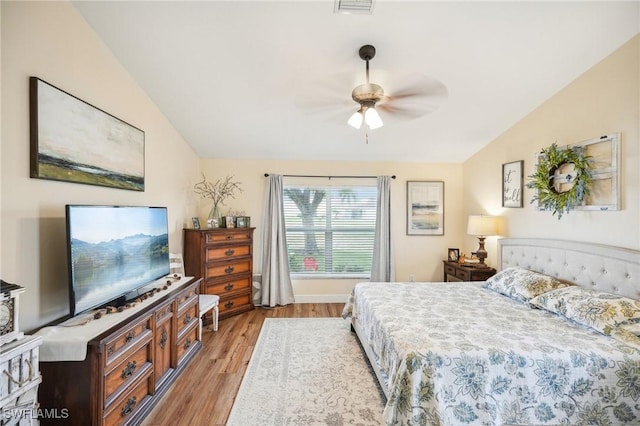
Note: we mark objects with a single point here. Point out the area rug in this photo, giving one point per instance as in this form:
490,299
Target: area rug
307,371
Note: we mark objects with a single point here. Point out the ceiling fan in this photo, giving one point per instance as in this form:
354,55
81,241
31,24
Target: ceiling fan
419,99
407,96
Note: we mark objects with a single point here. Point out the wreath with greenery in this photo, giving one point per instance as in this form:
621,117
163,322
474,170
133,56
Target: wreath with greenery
551,159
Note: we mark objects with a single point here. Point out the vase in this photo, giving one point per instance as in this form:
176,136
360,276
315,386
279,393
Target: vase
213,220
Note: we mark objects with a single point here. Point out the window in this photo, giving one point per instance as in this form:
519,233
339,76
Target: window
330,228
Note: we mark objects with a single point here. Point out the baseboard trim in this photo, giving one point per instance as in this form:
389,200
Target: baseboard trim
321,298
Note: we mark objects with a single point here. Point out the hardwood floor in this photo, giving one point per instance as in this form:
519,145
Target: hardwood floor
205,391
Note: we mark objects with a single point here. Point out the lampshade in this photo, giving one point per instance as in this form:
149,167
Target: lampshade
482,225
372,118
356,119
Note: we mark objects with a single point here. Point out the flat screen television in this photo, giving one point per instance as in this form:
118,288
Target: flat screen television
113,252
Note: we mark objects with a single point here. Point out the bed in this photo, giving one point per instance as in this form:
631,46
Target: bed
463,354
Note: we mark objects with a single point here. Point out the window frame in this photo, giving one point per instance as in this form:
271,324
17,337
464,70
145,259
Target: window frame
329,229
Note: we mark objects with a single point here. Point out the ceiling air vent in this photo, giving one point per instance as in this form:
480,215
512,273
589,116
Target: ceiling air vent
361,7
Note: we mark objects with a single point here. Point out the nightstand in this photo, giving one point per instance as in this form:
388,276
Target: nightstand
454,271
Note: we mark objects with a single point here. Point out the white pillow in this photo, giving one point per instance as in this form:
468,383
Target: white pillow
522,284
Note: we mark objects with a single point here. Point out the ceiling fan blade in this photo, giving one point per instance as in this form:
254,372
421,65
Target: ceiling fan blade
327,95
407,113
417,86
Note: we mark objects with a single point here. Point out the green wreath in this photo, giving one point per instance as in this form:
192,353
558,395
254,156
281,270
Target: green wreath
550,161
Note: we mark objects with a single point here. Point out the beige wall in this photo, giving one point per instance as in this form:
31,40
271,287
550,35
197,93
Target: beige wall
420,256
604,100
50,40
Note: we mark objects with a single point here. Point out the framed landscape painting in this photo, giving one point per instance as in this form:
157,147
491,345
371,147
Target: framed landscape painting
425,208
74,141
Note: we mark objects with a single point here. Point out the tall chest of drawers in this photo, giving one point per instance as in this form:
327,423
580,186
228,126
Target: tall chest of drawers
223,258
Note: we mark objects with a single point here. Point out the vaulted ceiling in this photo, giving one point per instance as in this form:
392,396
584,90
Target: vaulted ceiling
273,79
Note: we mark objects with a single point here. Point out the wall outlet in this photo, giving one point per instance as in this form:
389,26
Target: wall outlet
411,278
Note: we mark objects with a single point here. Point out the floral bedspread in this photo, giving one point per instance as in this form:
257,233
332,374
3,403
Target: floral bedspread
458,354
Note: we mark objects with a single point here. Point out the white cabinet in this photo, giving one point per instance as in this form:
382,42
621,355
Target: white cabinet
19,380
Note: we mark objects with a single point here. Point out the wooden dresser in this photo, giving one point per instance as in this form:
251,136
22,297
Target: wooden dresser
128,367
454,271
223,258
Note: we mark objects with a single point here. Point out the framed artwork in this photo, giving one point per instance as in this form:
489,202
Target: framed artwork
605,188
74,141
453,255
425,208
196,222
512,181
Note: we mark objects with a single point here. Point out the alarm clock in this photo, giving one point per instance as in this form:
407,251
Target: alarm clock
9,330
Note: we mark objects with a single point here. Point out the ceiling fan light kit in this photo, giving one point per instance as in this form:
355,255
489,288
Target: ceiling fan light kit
367,95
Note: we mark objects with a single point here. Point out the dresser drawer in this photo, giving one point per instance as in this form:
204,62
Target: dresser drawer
188,317
164,312
234,303
220,237
449,270
463,275
129,403
229,268
217,253
228,286
187,296
132,367
129,337
187,342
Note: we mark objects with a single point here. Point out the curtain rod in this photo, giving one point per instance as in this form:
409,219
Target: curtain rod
332,177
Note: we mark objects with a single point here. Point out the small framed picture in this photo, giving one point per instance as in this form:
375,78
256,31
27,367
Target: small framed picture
512,176
196,222
241,222
454,255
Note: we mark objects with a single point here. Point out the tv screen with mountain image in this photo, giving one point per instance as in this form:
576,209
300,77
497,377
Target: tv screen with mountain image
113,252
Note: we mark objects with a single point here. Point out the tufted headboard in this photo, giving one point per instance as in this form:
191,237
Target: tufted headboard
607,268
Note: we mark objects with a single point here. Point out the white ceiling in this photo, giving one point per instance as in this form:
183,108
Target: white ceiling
233,76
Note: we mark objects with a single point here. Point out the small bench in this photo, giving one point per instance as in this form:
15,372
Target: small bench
206,303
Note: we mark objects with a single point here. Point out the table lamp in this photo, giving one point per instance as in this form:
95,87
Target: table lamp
482,227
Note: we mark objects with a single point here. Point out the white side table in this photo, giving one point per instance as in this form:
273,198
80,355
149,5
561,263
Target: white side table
206,303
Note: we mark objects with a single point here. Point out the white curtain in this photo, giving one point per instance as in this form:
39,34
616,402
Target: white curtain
382,268
276,288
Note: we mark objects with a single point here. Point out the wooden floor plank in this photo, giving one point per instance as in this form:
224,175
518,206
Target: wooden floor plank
205,391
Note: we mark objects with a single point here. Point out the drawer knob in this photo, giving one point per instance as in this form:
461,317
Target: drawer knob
187,319
228,287
187,344
129,369
128,406
228,304
129,337
228,269
229,252
229,237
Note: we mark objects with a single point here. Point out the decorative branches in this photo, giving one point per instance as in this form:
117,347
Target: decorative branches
219,191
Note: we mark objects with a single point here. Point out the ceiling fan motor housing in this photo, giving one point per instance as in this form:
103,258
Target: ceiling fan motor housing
368,93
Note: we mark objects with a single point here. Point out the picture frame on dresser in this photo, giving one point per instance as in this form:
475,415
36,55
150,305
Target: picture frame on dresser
425,208
453,255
